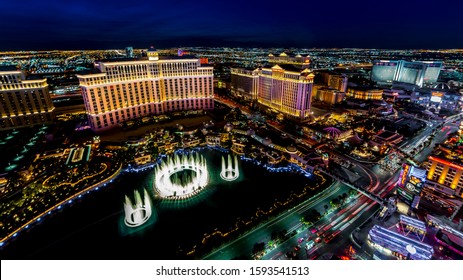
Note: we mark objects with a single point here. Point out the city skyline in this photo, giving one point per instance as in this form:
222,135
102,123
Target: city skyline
241,130
334,154
115,24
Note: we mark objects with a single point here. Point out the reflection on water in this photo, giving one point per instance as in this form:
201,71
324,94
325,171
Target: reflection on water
95,227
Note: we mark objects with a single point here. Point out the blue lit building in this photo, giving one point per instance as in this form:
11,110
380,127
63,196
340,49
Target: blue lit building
440,96
410,73
416,73
398,245
129,52
384,71
432,71
408,225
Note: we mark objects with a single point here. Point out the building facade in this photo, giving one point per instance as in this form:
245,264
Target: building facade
437,99
416,73
244,83
447,175
124,90
384,71
365,94
382,238
23,102
338,82
329,95
287,92
297,60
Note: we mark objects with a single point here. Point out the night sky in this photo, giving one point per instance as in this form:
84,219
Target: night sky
103,24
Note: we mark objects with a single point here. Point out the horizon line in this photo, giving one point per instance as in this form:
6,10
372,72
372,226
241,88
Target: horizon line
237,47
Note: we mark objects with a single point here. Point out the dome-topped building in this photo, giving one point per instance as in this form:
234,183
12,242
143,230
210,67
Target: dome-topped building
228,127
152,54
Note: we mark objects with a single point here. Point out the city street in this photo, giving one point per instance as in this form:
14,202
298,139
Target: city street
289,221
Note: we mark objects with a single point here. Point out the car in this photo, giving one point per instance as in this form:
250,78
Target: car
299,240
328,238
318,239
297,248
314,255
309,245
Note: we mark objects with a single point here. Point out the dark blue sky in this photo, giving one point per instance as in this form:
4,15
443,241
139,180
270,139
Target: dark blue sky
102,24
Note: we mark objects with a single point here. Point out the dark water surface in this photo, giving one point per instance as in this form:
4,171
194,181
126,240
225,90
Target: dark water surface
93,227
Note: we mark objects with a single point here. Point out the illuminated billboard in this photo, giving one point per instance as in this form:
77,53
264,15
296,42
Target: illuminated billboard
436,99
436,96
411,183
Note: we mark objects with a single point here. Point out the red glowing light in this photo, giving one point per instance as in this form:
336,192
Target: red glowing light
453,165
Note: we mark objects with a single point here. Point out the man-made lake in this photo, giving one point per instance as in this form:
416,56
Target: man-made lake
93,228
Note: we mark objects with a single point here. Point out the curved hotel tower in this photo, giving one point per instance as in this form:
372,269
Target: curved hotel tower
126,89
416,73
23,101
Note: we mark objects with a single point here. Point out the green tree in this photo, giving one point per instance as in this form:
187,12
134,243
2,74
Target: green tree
312,217
258,248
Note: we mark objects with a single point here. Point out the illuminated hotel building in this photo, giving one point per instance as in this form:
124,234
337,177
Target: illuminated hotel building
338,82
415,72
283,58
286,91
244,83
447,175
365,94
124,90
328,95
23,102
384,71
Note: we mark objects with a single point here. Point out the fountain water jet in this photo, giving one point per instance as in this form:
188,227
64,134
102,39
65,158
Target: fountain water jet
230,172
170,187
137,213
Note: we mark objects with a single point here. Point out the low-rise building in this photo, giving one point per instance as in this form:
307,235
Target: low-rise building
167,146
238,147
386,137
213,140
191,142
141,159
364,93
329,95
